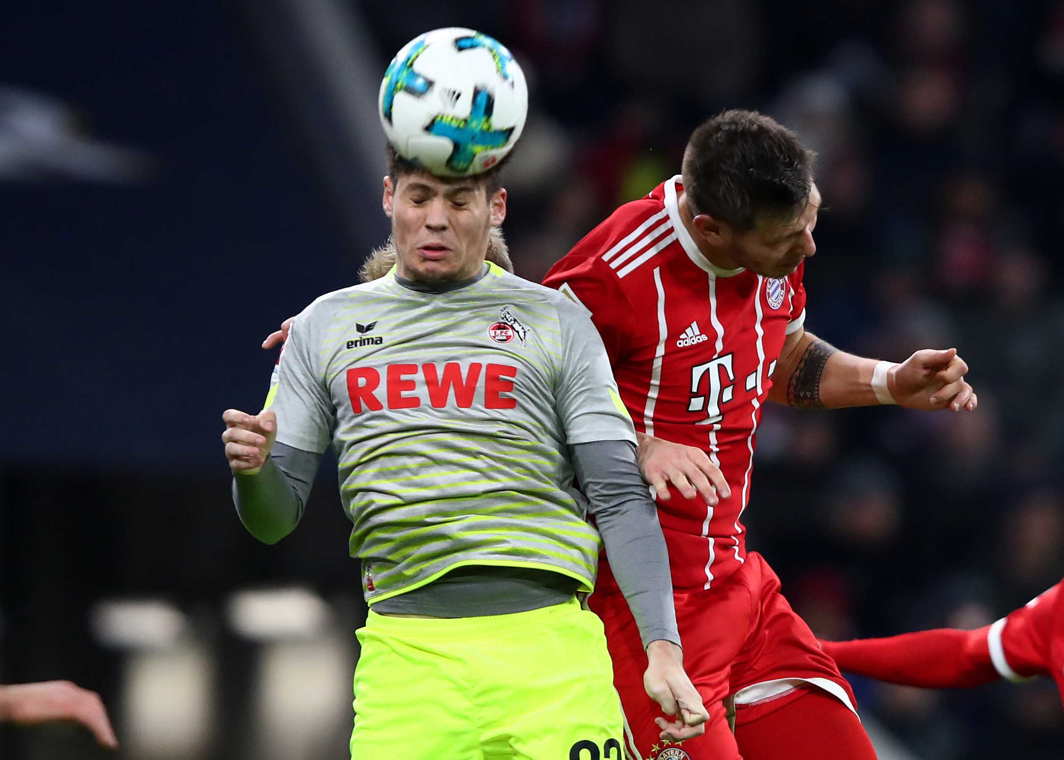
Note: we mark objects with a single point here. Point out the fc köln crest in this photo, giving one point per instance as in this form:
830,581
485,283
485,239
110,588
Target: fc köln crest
500,332
507,327
775,290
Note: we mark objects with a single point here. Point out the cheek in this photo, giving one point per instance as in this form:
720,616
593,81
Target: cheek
403,221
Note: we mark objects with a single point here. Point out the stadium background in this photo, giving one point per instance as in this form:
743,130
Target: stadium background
176,178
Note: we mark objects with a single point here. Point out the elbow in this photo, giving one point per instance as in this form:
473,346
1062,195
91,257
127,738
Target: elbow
268,534
270,539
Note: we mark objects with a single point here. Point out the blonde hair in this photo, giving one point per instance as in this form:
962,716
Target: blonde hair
382,259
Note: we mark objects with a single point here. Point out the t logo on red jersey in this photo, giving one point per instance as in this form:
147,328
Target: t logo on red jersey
720,387
409,386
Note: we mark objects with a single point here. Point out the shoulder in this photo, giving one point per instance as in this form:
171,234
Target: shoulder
517,289
326,305
627,225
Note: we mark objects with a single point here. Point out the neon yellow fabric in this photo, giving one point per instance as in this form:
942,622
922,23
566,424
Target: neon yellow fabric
535,685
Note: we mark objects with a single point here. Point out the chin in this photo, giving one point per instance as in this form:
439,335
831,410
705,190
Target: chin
784,269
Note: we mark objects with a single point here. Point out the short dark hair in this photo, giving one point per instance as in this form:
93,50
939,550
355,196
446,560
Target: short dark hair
740,166
399,166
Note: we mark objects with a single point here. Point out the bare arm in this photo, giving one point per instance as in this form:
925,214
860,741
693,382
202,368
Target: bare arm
813,374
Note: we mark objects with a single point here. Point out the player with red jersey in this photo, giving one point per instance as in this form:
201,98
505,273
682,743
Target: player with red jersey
1027,642
697,292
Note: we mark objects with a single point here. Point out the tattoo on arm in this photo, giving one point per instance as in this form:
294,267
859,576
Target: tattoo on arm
803,391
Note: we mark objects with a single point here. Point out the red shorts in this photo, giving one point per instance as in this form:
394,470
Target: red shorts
741,633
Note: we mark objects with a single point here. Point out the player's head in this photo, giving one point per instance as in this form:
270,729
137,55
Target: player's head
749,189
440,226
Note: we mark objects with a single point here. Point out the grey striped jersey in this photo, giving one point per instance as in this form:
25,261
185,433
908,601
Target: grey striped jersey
451,415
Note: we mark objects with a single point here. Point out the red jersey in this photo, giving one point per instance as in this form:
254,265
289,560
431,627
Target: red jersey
1030,641
693,348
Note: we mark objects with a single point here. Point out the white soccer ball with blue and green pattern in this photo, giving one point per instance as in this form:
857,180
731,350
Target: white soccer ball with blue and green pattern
453,101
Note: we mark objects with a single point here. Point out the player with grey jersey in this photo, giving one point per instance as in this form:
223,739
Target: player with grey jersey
461,401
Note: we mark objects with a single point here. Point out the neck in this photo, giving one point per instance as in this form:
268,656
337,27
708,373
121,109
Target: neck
716,257
440,286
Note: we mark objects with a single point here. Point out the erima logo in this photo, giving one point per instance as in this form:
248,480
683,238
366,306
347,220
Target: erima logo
691,336
364,340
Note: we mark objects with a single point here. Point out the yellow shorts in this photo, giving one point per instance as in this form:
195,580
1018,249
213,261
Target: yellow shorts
535,685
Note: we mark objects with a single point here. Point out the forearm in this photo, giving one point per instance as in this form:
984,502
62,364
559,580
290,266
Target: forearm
813,374
628,523
270,502
940,658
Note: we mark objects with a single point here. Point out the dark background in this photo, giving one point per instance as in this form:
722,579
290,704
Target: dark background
187,175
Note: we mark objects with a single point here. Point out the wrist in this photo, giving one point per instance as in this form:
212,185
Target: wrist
665,648
880,383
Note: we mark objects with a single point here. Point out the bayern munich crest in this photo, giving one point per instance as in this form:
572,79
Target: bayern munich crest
673,753
775,290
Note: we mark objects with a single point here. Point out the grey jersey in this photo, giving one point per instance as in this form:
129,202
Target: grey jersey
451,414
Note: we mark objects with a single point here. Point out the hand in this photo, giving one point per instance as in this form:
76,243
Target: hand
31,703
932,379
278,337
668,685
248,439
689,470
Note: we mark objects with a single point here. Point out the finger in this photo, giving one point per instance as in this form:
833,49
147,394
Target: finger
682,484
660,488
945,395
663,696
693,717
716,477
275,338
704,487
960,401
268,421
973,403
936,399
677,731
246,437
937,358
957,369
94,717
235,417
238,451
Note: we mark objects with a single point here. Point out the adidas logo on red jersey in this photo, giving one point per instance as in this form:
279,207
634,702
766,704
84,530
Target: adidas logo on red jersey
691,336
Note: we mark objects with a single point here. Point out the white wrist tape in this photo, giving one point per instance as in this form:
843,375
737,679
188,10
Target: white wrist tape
879,383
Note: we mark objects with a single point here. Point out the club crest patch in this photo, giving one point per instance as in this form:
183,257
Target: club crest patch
500,332
775,290
673,753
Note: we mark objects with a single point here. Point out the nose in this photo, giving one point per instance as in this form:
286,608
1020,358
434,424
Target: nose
436,215
808,245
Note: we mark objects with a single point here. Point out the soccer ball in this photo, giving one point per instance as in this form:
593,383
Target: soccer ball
453,101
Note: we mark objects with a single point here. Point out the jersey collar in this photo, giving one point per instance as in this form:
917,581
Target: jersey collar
688,242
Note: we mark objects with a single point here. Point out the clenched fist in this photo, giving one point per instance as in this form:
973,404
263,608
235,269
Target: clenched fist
932,379
248,439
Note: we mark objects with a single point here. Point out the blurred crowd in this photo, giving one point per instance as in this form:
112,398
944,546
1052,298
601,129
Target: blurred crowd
939,126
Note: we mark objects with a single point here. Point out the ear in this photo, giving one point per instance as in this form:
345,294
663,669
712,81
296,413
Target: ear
389,196
711,231
497,207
